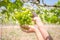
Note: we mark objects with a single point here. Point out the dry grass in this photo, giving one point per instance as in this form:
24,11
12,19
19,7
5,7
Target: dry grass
13,32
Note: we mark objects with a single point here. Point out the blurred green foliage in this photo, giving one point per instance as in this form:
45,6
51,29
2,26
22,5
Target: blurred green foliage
12,11
7,10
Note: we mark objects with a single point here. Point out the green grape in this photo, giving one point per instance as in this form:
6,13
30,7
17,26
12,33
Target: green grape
23,8
24,17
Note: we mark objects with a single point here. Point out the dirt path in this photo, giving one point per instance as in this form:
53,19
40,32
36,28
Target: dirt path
13,32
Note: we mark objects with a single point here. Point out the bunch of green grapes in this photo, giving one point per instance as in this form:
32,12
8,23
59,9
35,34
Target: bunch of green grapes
24,17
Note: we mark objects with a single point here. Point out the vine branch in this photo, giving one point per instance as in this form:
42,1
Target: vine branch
45,5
